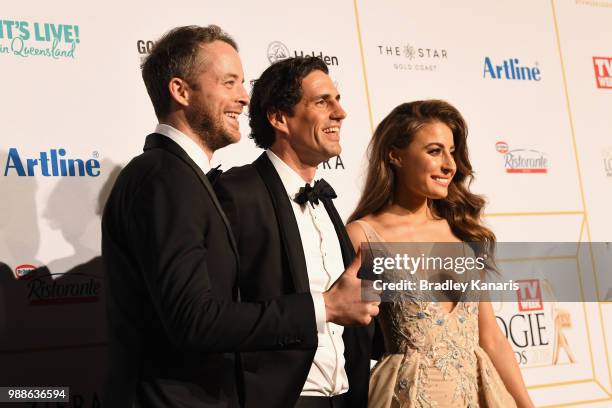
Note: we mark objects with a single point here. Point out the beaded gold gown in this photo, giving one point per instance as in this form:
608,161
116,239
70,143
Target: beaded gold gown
433,357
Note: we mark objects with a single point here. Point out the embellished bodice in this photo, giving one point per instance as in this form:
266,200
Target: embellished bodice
433,357
433,340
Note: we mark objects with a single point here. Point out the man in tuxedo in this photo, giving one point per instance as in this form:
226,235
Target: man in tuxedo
291,239
173,300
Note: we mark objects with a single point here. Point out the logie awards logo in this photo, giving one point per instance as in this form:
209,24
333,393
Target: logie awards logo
38,39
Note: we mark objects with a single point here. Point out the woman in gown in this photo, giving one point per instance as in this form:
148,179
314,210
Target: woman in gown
438,354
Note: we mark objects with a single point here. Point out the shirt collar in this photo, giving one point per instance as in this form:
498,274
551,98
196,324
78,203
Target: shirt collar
190,147
291,180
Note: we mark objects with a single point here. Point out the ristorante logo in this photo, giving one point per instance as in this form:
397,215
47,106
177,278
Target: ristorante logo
522,160
54,163
278,51
603,71
408,57
64,288
22,271
38,39
511,69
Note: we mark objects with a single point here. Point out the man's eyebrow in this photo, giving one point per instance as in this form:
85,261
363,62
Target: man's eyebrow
228,76
326,97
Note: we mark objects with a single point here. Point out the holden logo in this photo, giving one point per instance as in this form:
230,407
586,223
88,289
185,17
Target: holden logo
277,51
23,270
501,147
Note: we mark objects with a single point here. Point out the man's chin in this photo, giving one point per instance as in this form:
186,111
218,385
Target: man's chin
334,152
232,136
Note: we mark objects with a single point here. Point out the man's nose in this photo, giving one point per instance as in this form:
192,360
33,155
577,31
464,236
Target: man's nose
243,96
338,112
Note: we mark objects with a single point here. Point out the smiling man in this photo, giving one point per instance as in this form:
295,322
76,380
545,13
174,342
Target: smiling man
175,318
291,239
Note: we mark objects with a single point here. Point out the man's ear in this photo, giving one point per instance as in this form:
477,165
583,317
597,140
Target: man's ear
179,91
278,120
394,158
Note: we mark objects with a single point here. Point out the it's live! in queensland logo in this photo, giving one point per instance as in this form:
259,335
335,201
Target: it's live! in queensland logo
522,160
38,39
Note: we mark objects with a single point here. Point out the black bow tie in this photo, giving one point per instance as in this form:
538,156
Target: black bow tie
214,174
312,194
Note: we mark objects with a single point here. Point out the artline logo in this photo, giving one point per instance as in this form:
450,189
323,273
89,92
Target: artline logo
31,39
607,159
52,164
522,160
278,51
603,71
511,69
420,58
22,271
68,288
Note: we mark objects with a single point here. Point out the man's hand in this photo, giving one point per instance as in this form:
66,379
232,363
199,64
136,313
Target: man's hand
343,301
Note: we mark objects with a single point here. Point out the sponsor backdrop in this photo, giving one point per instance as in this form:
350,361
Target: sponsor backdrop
533,79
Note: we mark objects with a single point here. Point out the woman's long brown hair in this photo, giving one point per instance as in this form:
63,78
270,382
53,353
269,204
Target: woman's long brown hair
461,208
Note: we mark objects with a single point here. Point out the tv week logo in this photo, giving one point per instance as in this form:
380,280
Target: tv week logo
529,295
603,71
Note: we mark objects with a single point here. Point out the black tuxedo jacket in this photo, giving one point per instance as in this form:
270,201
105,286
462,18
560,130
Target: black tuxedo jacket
172,266
272,264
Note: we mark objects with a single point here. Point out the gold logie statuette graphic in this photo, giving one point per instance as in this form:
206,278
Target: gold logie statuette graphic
563,320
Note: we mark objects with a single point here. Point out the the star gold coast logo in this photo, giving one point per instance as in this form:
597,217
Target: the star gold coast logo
410,57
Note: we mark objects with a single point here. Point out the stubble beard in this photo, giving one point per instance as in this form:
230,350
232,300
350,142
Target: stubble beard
209,129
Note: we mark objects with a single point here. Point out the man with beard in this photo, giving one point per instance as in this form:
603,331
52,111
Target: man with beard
291,239
175,319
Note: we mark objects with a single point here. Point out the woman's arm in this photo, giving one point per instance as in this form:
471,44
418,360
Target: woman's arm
356,234
497,347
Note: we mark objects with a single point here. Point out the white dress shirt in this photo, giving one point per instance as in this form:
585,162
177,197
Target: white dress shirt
190,147
327,376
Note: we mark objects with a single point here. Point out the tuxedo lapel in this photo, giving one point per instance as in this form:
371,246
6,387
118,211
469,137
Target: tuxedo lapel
348,253
156,140
289,231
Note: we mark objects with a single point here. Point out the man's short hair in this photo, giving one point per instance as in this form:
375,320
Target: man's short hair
176,55
278,89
